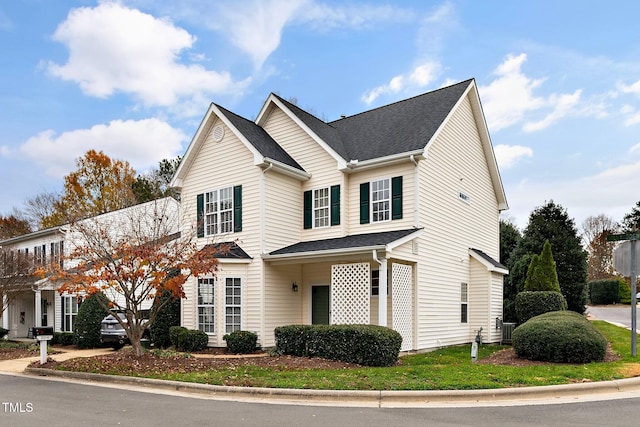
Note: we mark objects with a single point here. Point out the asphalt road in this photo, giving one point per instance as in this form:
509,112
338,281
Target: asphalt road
615,314
32,401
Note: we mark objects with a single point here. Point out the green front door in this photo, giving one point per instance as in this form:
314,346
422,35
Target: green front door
320,305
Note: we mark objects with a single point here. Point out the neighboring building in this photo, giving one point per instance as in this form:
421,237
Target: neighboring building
387,217
43,305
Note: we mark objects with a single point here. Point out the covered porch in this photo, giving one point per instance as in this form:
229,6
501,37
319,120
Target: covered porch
362,279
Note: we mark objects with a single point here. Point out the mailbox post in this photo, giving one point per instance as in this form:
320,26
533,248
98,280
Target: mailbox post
43,334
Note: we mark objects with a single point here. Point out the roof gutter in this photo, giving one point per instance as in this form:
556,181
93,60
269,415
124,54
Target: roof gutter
384,161
284,169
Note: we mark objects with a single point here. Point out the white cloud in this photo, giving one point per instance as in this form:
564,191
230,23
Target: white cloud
511,98
5,151
633,88
635,149
563,105
114,48
608,193
142,143
420,77
508,156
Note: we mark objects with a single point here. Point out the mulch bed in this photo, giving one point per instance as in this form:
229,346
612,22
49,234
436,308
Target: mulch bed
508,357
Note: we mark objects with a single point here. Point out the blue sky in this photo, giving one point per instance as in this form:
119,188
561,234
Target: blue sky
559,82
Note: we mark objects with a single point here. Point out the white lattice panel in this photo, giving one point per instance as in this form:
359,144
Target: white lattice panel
402,303
350,300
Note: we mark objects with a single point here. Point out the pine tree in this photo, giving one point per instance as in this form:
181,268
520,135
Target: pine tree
542,274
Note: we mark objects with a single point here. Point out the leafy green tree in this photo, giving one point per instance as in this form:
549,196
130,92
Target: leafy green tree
542,275
86,329
631,221
551,222
509,238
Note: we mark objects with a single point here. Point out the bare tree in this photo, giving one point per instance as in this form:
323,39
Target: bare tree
39,208
16,275
595,230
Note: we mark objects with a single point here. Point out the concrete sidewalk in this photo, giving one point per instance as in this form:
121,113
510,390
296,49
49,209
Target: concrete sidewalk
626,388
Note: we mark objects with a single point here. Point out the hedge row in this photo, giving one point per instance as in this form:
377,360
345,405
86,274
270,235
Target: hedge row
611,291
368,345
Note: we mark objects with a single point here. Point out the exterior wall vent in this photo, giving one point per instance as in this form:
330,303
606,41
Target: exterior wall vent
218,133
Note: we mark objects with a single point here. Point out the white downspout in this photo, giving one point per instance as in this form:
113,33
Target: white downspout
416,192
5,312
262,250
382,286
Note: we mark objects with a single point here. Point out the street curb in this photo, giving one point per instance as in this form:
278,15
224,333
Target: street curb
385,398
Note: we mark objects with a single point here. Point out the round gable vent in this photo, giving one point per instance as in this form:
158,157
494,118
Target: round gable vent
218,133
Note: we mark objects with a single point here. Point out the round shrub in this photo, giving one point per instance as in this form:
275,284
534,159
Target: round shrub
165,318
241,342
192,340
174,333
86,328
561,336
534,303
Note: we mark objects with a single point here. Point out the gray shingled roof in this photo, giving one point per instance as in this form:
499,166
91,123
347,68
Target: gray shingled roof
489,259
260,139
347,242
400,127
228,250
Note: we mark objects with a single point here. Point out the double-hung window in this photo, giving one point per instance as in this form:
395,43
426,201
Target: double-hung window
56,253
206,305
39,254
233,304
218,210
464,303
380,200
321,207
69,312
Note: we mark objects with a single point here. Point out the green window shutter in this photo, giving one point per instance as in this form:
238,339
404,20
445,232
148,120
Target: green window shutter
335,205
237,208
308,209
396,197
200,214
364,203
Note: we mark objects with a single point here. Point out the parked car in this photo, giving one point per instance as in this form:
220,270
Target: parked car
113,334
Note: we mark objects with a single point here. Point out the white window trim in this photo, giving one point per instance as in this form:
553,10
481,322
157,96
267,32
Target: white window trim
72,315
372,202
464,302
218,213
315,210
212,305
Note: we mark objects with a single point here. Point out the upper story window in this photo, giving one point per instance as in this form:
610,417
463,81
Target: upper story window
381,200
322,207
57,250
39,254
220,211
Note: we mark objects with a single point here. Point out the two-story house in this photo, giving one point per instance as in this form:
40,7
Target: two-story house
40,304
387,217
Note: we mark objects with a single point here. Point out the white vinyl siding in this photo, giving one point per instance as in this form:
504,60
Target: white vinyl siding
456,162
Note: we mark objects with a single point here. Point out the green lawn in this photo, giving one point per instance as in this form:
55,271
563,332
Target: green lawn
446,369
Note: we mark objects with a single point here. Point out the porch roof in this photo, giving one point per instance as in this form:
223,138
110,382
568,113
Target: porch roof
357,243
488,261
228,251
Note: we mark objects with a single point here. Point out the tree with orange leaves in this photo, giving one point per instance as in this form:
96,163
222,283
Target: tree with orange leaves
99,185
131,256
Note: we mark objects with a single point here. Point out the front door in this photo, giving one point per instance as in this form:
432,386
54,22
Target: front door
320,305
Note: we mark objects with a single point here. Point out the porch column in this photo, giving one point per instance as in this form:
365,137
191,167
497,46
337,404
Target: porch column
382,296
5,313
38,308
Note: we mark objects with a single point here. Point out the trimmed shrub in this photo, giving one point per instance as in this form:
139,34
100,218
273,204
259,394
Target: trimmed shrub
367,345
62,338
605,291
86,328
241,342
531,304
166,317
174,333
192,340
562,337
3,332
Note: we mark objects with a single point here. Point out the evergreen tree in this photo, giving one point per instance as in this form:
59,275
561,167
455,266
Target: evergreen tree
551,222
542,274
168,314
86,328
